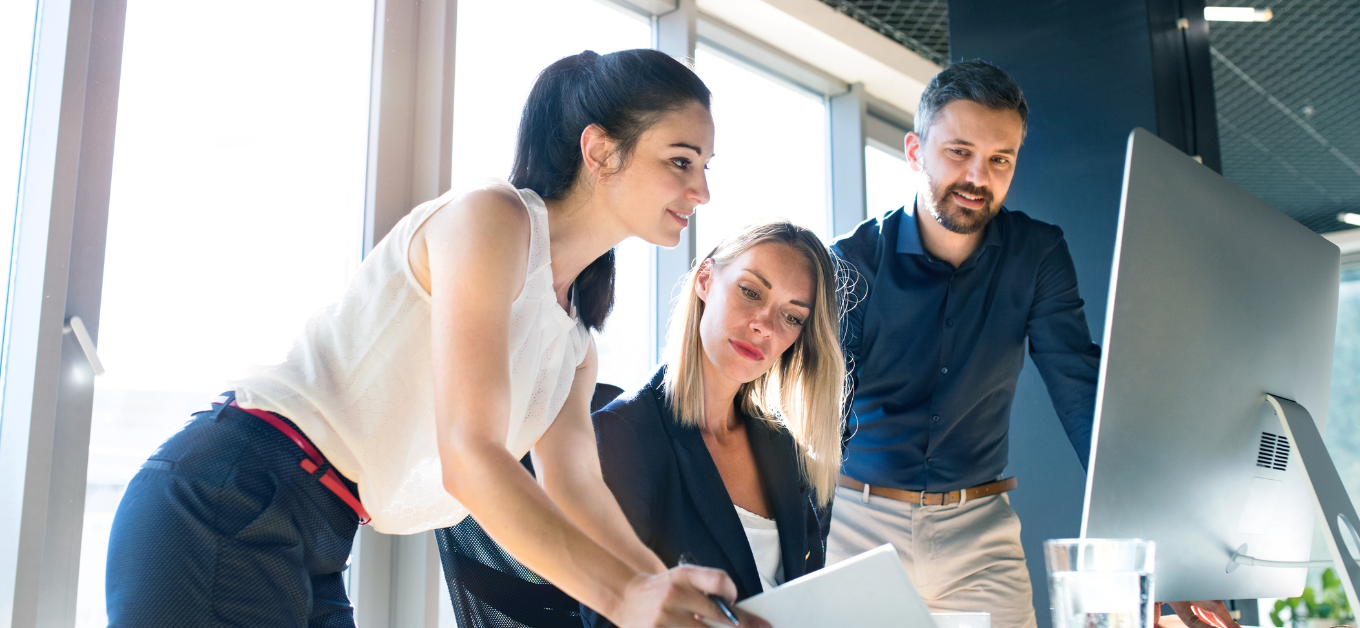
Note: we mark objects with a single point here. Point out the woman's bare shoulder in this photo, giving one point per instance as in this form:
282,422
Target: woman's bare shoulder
483,232
490,211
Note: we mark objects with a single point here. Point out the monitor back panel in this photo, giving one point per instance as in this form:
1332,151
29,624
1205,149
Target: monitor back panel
1216,298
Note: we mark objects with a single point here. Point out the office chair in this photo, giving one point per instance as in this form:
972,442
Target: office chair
489,588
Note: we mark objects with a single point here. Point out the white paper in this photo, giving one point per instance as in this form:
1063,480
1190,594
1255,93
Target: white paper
871,589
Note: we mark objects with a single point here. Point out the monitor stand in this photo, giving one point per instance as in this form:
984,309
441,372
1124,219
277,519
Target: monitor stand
1329,495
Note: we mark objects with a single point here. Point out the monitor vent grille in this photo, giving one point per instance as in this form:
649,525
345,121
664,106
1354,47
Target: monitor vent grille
1274,453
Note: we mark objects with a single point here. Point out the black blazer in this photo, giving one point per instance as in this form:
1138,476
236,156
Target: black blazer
670,490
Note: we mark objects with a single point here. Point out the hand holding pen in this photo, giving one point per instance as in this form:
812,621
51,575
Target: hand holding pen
727,609
679,597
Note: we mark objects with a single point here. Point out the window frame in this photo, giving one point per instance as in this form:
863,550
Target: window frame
883,133
57,274
61,233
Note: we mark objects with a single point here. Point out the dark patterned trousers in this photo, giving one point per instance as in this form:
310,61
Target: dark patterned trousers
222,527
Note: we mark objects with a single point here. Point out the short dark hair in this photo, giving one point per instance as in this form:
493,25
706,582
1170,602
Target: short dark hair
624,92
973,80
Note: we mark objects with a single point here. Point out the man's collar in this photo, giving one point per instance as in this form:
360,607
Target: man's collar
909,235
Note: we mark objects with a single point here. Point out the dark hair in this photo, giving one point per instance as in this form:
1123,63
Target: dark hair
624,92
974,80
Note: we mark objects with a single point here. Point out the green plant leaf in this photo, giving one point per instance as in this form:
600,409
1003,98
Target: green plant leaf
1279,606
1329,580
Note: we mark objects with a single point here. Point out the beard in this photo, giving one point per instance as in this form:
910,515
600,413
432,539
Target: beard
955,217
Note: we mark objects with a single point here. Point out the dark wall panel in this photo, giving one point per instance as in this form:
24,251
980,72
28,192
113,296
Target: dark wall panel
1183,78
1087,72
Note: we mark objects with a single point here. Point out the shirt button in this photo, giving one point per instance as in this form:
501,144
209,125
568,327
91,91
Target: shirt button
948,322
930,461
944,370
935,418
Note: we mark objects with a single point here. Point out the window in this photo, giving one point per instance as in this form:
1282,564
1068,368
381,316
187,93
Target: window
16,55
238,187
770,156
236,210
889,182
499,56
1343,417
1343,414
625,360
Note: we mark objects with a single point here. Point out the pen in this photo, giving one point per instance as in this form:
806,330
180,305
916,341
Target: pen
685,559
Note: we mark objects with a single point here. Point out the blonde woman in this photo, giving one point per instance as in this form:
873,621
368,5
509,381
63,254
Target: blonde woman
729,456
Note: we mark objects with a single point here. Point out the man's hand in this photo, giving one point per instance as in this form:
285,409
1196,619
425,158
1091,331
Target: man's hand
1204,614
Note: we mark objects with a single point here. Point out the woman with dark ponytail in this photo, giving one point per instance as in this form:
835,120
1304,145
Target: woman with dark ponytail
461,343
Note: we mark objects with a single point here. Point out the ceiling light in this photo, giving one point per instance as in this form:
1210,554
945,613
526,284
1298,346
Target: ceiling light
1237,14
1349,218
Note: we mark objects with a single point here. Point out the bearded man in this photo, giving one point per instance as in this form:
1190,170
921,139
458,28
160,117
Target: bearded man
940,309
945,298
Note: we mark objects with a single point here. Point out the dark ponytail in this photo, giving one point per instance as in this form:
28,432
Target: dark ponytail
624,92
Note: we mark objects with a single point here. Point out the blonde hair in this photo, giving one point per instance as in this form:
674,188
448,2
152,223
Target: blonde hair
805,390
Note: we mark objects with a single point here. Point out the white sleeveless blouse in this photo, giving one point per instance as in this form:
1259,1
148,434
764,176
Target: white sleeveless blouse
359,381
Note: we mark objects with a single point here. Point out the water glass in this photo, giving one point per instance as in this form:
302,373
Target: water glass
1100,583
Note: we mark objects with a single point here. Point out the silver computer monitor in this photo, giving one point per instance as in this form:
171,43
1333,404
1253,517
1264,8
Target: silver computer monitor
1216,299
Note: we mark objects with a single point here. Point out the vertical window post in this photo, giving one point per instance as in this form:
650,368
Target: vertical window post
58,273
847,112
674,33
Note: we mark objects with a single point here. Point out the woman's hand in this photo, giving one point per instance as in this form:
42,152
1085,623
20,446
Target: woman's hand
1206,614
679,597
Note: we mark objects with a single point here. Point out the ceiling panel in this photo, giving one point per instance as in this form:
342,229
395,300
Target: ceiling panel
1288,97
920,25
1287,91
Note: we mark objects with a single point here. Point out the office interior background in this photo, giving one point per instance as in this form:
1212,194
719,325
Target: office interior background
193,179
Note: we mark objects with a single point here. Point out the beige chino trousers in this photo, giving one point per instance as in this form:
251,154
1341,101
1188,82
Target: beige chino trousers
961,557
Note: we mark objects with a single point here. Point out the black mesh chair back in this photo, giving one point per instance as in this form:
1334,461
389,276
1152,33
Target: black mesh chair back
489,588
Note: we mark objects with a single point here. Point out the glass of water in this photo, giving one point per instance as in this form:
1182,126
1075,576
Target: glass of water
1100,583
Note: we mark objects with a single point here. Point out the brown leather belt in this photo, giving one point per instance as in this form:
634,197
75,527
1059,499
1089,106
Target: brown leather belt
930,499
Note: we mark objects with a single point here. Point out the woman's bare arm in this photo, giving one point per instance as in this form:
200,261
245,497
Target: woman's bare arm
568,466
477,250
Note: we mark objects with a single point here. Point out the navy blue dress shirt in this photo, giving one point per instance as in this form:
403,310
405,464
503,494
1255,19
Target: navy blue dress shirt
937,351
